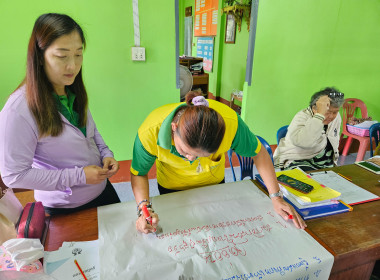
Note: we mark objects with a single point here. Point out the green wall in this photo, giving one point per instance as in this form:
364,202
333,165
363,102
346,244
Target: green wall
303,46
121,92
229,59
234,61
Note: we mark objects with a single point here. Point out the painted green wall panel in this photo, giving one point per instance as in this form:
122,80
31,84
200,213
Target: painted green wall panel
121,92
303,46
234,62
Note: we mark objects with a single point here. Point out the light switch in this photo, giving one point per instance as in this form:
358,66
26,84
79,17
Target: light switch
138,53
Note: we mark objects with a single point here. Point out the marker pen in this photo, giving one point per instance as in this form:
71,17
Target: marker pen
147,215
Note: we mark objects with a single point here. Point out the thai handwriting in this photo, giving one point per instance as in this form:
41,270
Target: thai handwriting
207,228
223,253
281,270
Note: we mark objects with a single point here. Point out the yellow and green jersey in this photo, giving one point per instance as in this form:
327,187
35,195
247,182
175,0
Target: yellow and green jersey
154,143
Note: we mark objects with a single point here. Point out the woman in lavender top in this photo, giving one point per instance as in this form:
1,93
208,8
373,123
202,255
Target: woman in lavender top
48,139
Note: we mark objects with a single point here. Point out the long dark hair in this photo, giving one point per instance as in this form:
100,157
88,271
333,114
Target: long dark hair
48,28
200,127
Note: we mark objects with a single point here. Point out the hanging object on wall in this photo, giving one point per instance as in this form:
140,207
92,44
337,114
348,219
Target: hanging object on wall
205,49
138,52
188,36
239,10
230,32
136,23
188,11
206,17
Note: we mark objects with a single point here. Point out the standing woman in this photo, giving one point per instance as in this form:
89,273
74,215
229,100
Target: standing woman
188,142
48,138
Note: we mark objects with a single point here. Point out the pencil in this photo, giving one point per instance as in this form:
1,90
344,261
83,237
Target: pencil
344,177
349,206
81,271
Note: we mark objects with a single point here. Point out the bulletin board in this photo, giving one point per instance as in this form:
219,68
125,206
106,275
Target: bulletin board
205,49
206,18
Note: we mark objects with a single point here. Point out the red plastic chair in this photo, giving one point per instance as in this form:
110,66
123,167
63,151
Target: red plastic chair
350,106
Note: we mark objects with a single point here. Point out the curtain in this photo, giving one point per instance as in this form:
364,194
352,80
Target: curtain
188,35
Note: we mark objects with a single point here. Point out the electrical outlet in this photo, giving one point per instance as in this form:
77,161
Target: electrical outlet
138,53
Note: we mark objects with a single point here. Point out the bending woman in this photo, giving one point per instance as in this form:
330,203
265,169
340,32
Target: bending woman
48,138
188,142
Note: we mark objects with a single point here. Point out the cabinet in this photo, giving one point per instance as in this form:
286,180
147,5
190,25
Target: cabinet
188,61
201,81
200,78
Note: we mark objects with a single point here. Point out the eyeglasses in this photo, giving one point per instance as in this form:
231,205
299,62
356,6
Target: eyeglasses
336,94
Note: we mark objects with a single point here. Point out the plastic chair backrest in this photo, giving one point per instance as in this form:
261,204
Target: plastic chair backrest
267,146
246,163
350,105
281,133
229,153
374,131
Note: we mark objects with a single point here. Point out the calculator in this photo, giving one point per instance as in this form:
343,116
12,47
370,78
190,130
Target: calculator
295,184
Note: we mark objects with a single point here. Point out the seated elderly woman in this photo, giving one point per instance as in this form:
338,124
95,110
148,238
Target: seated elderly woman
313,135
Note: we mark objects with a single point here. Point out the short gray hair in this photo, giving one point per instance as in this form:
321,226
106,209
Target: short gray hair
336,97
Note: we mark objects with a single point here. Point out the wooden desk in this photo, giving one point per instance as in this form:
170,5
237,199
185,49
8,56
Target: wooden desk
235,97
353,237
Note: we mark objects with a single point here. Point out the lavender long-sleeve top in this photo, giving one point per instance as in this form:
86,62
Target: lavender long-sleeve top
52,166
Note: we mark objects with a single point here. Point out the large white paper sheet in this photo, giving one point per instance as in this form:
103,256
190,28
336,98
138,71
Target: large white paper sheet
227,231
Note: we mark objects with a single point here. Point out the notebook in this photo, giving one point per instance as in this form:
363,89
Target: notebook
321,211
370,165
317,209
319,193
297,201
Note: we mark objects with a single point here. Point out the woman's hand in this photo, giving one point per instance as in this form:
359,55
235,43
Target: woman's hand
323,105
110,164
144,227
95,174
285,210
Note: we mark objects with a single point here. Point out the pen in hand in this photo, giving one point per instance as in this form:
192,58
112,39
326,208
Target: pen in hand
147,215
